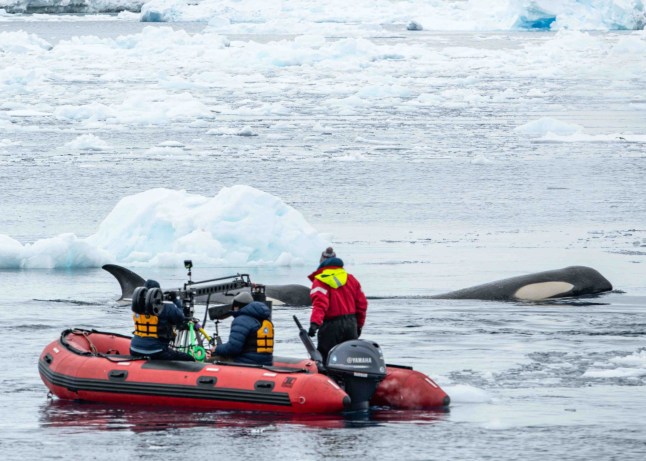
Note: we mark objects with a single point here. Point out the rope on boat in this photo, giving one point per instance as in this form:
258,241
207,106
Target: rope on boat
93,350
86,335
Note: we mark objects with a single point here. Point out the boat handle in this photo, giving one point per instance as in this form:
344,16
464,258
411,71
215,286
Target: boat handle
206,381
118,375
264,385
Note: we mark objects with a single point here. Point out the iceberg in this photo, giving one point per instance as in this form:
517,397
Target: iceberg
333,16
239,227
70,6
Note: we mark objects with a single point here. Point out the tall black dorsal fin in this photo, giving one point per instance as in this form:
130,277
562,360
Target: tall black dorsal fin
127,279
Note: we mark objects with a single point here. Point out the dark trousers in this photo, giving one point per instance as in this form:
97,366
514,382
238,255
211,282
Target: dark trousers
168,354
335,331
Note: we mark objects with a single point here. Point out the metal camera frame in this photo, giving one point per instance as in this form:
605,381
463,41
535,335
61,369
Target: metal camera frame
190,336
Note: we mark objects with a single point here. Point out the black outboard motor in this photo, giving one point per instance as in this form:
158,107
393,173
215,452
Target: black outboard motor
359,365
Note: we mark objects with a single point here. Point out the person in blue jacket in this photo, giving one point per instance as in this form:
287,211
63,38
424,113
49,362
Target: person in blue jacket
251,338
153,333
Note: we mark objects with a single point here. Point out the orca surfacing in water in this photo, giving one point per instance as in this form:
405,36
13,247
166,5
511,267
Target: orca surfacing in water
568,282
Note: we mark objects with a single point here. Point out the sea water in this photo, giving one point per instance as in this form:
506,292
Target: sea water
418,160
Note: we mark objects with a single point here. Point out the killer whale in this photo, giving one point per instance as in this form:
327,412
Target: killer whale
569,282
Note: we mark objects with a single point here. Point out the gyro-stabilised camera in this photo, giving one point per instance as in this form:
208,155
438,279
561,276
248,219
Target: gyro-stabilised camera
188,264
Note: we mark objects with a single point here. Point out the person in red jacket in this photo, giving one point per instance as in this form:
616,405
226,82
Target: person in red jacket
338,304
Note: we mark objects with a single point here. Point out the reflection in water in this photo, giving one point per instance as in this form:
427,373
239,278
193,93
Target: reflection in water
93,416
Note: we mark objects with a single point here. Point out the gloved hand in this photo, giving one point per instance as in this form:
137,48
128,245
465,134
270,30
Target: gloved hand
313,329
358,331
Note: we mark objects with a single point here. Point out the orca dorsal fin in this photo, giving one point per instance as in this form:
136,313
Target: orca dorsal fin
127,279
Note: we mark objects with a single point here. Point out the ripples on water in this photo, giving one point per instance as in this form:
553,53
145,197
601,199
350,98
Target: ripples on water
516,373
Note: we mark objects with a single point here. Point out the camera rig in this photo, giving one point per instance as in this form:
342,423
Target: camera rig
206,288
191,334
202,291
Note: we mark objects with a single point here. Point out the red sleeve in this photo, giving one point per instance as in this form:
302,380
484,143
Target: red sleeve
360,304
320,301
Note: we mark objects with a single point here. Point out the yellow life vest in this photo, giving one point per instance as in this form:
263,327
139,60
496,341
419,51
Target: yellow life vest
262,342
333,277
147,326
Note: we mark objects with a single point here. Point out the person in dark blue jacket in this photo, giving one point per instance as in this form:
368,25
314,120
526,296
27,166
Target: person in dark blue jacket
153,333
251,339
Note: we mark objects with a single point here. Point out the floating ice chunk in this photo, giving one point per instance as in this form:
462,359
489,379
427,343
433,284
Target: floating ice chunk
535,17
481,160
616,373
171,143
383,91
414,25
8,143
630,366
162,11
63,251
88,142
21,42
10,252
246,131
637,359
634,45
545,125
604,138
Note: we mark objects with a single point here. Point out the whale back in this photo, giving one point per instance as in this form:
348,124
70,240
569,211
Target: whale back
567,282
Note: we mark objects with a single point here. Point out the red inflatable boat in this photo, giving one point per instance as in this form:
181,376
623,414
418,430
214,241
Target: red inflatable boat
89,365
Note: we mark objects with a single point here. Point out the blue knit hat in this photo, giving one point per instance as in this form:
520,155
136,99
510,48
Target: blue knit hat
152,284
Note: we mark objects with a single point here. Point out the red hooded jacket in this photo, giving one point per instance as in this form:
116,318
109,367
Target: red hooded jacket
335,292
